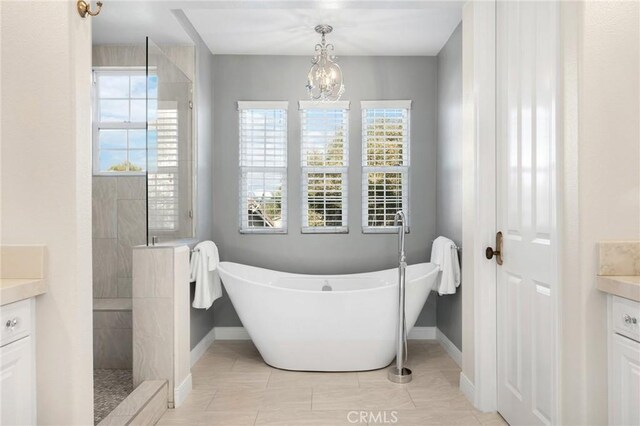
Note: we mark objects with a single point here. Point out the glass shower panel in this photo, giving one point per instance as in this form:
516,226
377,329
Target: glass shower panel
169,153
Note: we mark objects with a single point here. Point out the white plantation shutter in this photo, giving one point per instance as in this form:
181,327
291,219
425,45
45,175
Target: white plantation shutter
385,163
162,178
263,167
325,161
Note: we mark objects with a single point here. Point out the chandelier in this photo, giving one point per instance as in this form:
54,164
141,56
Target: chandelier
324,81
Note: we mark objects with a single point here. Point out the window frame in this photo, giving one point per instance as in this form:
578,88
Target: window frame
404,169
242,170
97,125
306,170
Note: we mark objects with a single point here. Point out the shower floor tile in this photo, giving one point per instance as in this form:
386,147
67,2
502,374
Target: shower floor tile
110,388
233,386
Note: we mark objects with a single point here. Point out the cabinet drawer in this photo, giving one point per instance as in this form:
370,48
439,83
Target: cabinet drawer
626,318
15,321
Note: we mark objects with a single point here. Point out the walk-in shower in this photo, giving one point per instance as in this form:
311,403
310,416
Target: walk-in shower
142,188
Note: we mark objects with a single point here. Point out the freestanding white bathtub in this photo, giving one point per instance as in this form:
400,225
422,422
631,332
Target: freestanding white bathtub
349,326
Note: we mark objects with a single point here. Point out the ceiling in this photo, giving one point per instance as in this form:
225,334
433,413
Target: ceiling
400,28
122,22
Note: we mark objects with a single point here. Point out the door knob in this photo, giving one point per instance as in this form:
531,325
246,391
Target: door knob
490,252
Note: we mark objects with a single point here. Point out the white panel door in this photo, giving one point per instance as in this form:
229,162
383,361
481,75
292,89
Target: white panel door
527,71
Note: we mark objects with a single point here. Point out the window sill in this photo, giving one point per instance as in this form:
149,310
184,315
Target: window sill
383,230
263,231
336,230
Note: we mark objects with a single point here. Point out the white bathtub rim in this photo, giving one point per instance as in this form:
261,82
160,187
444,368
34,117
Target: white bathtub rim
433,270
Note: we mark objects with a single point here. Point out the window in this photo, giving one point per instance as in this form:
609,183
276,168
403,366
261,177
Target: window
120,139
385,163
120,116
263,167
325,159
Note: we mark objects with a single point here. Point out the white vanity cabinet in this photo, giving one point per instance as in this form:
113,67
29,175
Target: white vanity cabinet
624,361
17,363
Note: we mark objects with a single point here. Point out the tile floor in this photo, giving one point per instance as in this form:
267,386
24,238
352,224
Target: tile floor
233,386
110,388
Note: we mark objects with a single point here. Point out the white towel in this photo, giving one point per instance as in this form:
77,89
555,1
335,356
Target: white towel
444,253
204,271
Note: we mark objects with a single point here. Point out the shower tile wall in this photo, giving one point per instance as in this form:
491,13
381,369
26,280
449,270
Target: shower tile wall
112,339
118,225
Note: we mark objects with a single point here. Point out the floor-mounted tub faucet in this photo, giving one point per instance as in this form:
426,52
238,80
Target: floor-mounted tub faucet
399,373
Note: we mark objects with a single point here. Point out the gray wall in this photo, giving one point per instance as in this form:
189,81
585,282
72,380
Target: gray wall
283,78
449,170
202,320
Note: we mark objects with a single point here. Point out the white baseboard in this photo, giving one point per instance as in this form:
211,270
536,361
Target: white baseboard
181,392
449,347
202,346
422,333
231,333
468,388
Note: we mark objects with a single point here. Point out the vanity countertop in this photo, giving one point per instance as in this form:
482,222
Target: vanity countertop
16,289
620,285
